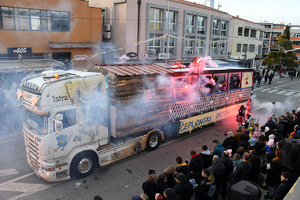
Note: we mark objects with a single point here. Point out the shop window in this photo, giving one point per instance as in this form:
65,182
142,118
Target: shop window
154,45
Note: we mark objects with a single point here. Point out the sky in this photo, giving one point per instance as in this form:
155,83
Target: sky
276,11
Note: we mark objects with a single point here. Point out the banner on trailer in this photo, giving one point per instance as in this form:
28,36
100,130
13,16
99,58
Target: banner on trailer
200,120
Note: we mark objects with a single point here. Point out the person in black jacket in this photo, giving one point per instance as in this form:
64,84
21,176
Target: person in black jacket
259,145
242,170
281,128
169,194
183,188
284,187
196,165
170,173
270,123
228,163
150,187
243,141
230,142
218,170
162,183
203,187
183,168
206,156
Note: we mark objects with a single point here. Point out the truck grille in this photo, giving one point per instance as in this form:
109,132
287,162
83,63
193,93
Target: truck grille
32,145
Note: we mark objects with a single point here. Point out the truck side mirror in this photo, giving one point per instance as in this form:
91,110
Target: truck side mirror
58,122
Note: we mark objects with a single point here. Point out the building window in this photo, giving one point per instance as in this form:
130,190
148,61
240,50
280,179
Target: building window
154,45
200,46
253,33
7,21
223,48
240,31
189,43
251,48
155,19
190,24
214,46
223,28
259,49
215,27
30,19
62,56
60,21
200,25
171,20
246,33
238,47
245,47
171,45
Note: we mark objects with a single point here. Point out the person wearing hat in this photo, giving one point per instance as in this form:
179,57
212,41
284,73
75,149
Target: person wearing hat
284,187
169,194
183,188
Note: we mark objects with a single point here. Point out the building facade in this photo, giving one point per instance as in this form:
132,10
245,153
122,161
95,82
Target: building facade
48,30
195,30
247,43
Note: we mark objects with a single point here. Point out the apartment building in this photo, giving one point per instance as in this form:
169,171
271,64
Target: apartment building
196,30
247,43
42,32
273,31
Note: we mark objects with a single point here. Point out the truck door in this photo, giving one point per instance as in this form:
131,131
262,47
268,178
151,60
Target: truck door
66,132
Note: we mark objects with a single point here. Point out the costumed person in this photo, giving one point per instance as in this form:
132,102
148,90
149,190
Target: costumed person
241,115
249,106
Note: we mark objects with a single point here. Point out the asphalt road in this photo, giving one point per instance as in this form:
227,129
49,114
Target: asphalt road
124,179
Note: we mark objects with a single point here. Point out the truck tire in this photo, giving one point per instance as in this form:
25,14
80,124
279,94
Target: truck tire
83,164
153,141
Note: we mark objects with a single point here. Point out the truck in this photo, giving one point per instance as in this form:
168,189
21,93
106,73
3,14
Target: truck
79,120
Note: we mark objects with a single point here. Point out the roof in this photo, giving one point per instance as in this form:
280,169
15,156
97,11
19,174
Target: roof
245,20
134,69
197,5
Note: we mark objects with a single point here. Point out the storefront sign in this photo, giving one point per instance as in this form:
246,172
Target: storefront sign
82,57
131,54
163,56
200,120
19,50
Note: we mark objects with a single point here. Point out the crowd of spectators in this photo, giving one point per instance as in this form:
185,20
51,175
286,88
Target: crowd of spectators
10,117
250,154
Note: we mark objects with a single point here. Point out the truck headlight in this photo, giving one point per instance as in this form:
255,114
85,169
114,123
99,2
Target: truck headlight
48,168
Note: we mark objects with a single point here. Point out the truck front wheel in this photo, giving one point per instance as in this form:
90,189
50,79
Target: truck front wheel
83,164
153,141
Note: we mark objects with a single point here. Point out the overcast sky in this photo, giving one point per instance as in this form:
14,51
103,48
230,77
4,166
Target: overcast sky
277,11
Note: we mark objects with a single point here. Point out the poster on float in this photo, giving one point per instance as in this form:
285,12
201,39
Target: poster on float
247,80
200,120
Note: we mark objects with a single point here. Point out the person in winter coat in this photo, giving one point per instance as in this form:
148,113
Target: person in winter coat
270,78
196,165
273,174
259,145
243,141
242,170
280,130
228,163
266,77
150,187
203,187
162,183
258,80
230,142
284,186
218,148
170,173
253,140
183,188
206,156
270,123
168,194
183,168
238,133
255,169
218,170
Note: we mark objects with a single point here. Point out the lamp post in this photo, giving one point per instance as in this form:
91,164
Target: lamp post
167,52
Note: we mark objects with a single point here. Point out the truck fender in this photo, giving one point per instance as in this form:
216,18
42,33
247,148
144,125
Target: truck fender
79,150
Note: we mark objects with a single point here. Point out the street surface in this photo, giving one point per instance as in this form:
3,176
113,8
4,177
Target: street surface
123,179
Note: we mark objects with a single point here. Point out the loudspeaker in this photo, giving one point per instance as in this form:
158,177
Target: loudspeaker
245,190
290,157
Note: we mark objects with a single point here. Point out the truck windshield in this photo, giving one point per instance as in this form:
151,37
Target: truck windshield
37,122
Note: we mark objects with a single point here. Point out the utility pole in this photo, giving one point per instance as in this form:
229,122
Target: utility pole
167,52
